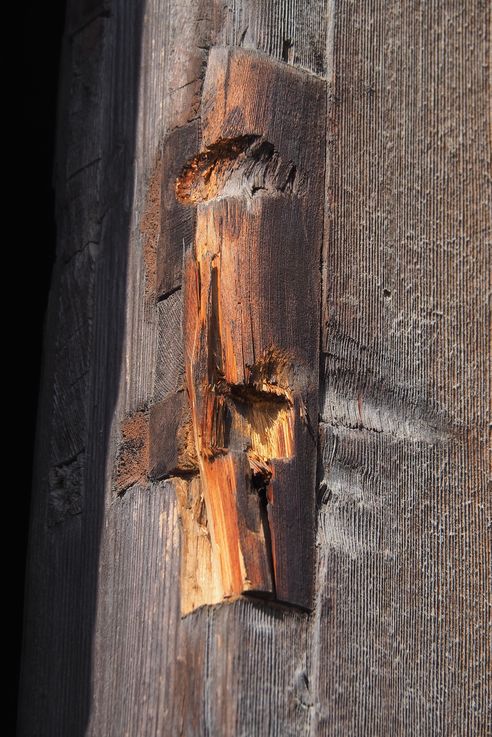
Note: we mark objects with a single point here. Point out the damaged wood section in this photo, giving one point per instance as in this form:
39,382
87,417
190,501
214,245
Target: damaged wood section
254,189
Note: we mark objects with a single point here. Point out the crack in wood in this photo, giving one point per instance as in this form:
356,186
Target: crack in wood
251,357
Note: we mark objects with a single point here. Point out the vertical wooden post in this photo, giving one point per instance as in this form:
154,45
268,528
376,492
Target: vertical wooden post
251,331
394,639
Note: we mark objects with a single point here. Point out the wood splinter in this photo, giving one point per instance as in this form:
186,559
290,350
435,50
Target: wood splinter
251,333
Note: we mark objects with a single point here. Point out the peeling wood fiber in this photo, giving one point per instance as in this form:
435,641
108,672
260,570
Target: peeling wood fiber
251,336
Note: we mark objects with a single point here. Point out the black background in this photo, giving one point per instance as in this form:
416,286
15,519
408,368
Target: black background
42,34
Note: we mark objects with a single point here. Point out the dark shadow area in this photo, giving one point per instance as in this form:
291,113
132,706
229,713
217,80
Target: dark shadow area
40,59
63,556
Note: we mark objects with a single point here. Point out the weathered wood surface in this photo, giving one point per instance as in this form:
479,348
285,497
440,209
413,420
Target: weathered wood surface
179,220
406,561
397,643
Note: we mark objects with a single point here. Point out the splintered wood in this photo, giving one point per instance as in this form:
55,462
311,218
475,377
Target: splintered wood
254,193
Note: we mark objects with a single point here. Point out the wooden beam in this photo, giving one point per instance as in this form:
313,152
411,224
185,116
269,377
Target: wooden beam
251,324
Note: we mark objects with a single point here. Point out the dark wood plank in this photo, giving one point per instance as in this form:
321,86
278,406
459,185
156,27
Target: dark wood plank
172,449
178,228
182,699
404,547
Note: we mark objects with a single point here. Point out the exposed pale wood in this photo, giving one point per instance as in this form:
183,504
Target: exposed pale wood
251,335
397,642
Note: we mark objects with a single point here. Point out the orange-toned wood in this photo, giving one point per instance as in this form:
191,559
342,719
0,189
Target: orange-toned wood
251,323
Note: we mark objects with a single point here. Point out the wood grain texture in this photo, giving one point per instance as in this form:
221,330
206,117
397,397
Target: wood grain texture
83,358
172,449
405,553
397,643
179,221
169,370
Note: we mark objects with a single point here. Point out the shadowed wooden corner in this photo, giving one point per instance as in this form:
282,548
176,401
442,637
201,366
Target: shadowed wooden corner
241,440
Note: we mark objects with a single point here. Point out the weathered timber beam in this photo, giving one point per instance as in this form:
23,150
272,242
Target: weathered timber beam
253,192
